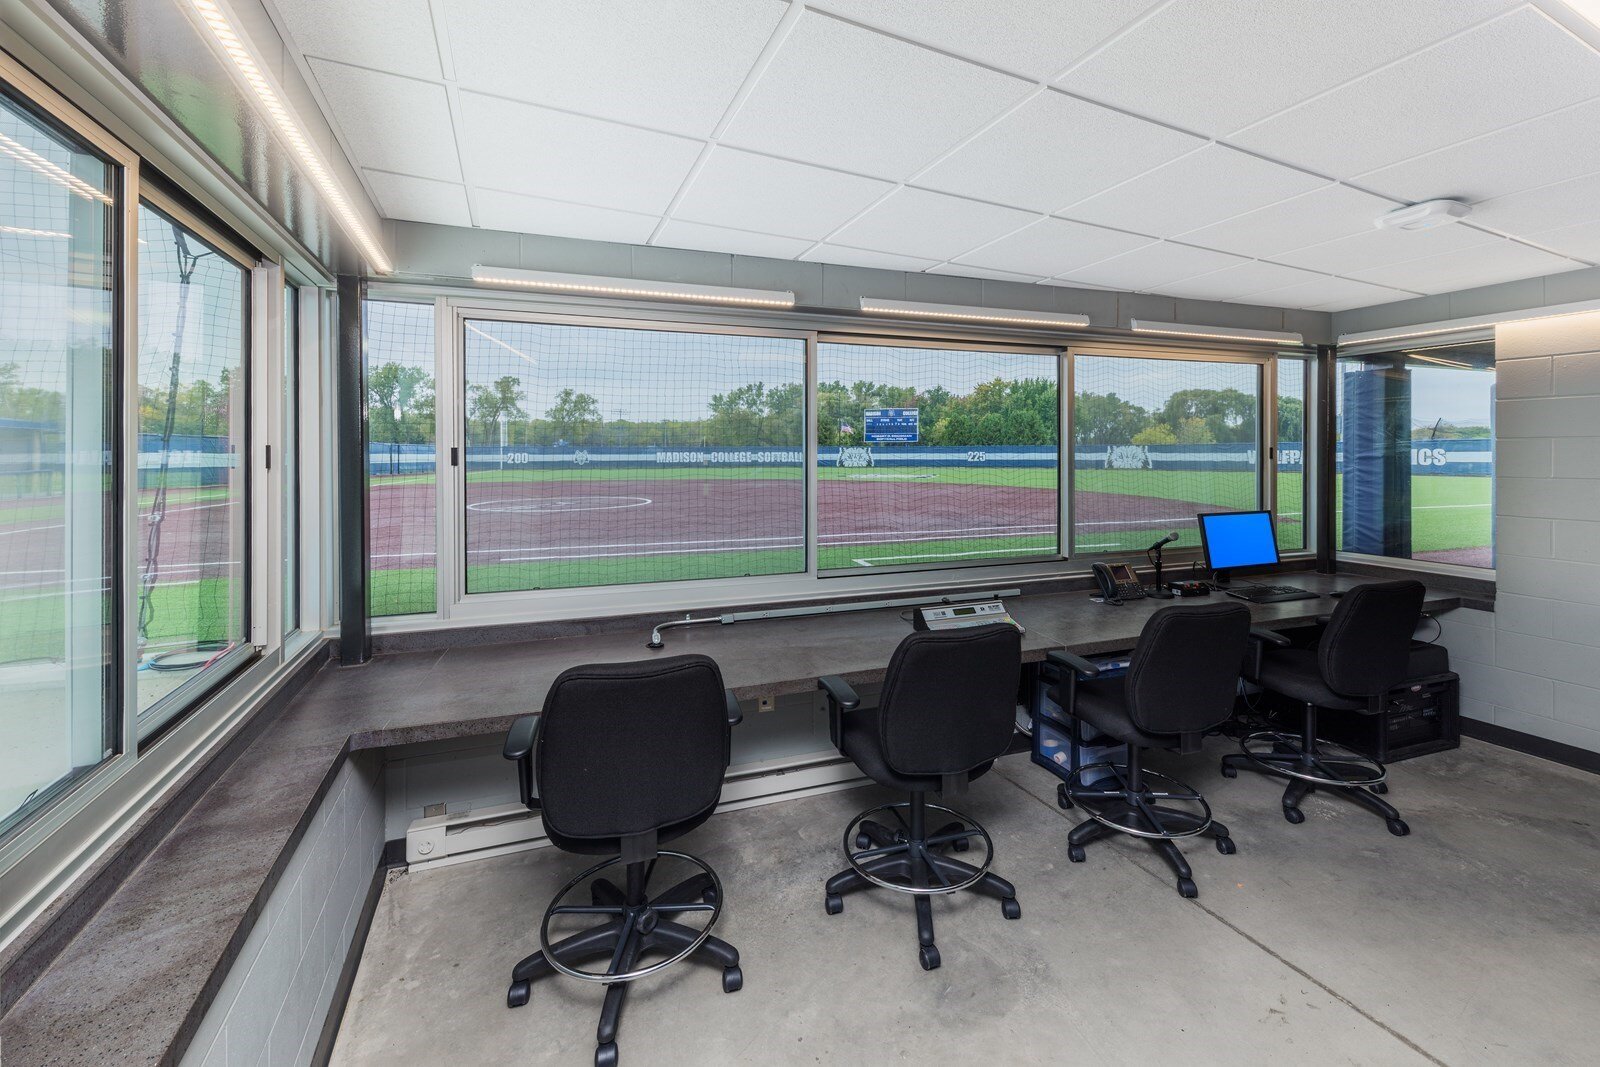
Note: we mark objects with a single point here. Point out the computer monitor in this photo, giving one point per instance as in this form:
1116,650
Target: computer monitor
1238,539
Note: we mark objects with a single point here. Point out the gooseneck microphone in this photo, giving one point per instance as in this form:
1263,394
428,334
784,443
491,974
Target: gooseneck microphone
1153,553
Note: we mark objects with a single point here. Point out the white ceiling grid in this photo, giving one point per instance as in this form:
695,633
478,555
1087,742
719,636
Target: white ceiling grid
1213,149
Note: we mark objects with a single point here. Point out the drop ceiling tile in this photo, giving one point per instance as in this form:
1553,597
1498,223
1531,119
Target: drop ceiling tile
1329,294
751,192
914,222
1052,246
1323,214
1567,203
401,196
1153,266
1242,60
1581,241
847,97
669,64
1034,38
499,210
389,35
1035,157
679,234
1238,282
981,272
540,152
1201,188
861,257
369,107
1543,150
1374,248
1514,68
1501,261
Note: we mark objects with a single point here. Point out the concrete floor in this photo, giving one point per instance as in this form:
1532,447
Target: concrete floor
1474,940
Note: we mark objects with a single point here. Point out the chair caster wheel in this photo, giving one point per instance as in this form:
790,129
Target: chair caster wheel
1063,798
606,1055
517,995
1229,771
863,842
1380,788
833,903
709,896
732,979
961,844
1075,853
1226,846
1398,827
1294,815
1187,889
928,956
1010,908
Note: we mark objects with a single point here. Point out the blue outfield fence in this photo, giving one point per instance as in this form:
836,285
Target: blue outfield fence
1454,457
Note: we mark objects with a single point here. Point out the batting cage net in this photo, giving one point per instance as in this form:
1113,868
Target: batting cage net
935,455
599,456
401,505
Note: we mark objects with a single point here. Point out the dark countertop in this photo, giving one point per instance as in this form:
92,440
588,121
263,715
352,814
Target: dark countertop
134,984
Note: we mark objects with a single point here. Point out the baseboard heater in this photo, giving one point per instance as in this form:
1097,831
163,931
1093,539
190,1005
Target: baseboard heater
500,829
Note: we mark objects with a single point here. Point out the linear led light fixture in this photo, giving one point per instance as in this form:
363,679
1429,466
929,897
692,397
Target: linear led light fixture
1218,333
216,19
963,313
1435,329
595,285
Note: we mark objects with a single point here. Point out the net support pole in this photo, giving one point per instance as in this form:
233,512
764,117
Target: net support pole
350,426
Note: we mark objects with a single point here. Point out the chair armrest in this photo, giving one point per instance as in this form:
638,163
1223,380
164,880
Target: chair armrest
520,740
1324,619
735,713
1260,638
1271,637
1073,662
839,692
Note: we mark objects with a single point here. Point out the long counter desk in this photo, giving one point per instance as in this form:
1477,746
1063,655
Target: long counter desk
134,983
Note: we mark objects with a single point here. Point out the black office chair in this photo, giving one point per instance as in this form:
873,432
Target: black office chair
625,757
946,713
1361,655
1181,681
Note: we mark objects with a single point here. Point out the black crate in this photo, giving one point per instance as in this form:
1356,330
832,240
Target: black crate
1419,717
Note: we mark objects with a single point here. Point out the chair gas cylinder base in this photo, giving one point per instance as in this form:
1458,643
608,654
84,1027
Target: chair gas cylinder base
624,757
1181,681
1362,653
946,713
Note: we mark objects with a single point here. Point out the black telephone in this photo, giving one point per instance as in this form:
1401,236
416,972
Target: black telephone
1117,582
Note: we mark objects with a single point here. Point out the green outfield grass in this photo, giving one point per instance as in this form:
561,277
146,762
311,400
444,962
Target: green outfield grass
32,629
1448,513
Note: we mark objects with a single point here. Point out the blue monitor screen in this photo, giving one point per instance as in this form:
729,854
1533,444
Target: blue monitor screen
1238,539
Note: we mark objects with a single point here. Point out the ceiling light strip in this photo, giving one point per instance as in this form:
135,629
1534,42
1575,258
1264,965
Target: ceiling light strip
52,171
1434,329
595,285
216,19
1441,362
1218,333
965,313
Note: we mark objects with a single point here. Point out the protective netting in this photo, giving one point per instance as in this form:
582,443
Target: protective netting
1291,509
935,455
402,537
1157,441
191,580
601,456
57,513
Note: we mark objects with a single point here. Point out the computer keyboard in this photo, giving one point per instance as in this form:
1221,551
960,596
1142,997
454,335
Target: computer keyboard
1270,594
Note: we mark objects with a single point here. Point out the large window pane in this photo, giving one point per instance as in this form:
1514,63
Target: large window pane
402,538
58,535
1156,441
1416,454
191,581
291,461
931,455
600,456
1291,510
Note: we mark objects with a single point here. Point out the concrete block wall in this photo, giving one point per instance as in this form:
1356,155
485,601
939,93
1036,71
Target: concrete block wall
270,1010
1534,664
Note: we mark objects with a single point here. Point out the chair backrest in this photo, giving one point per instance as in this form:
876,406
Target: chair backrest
1184,673
949,700
625,748
1366,648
